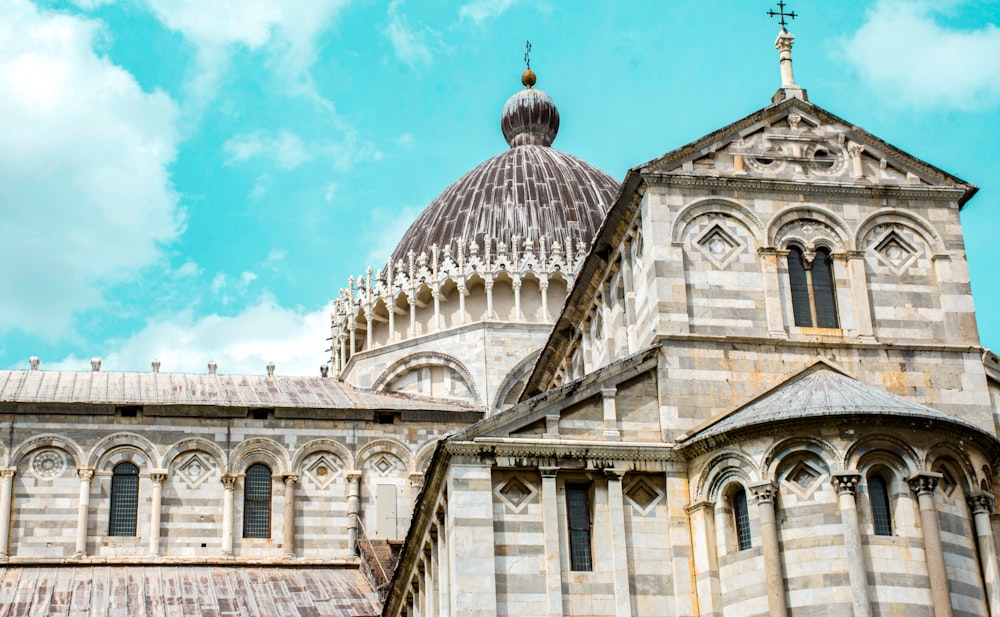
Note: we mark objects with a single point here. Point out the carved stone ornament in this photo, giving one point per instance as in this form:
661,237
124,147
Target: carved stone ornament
194,471
323,470
764,492
516,492
719,246
924,482
48,464
981,501
846,482
643,494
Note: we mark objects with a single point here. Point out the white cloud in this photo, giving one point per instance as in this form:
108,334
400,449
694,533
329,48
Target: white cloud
385,229
481,10
294,339
284,149
189,268
89,5
85,192
330,192
413,45
406,141
274,257
906,55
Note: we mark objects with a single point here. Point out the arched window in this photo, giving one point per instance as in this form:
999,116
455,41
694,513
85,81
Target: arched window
878,496
124,500
257,502
814,298
741,519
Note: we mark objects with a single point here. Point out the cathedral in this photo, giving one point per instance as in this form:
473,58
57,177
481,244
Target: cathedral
745,381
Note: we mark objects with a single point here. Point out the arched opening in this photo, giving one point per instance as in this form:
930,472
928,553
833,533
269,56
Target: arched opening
257,502
878,498
741,518
124,499
814,299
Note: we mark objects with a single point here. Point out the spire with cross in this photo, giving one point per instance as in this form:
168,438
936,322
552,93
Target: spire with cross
789,89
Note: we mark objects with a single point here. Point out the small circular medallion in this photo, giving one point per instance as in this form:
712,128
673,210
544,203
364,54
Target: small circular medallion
48,463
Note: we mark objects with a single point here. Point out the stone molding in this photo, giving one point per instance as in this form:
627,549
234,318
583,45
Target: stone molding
924,481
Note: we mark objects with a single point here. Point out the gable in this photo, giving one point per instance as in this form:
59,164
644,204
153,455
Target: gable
798,141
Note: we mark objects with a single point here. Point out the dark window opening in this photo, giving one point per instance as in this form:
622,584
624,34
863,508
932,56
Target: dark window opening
814,296
257,502
578,517
741,518
262,413
386,418
128,411
124,500
878,495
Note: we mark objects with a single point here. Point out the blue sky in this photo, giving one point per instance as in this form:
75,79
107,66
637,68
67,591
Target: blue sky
195,179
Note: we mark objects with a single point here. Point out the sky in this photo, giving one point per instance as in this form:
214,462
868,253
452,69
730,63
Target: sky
194,180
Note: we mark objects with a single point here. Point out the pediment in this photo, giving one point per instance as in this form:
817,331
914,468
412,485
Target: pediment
797,141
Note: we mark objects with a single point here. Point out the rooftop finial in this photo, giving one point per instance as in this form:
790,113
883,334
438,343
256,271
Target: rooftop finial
781,14
528,76
789,89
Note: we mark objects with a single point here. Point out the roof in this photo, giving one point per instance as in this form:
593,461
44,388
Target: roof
125,388
528,192
219,591
820,390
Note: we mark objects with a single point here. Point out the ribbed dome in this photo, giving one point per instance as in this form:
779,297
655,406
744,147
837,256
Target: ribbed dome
529,192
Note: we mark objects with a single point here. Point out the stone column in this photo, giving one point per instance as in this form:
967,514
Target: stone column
550,535
429,588
846,483
858,281
412,300
982,504
444,568
619,561
436,294
462,292
611,431
370,318
772,292
353,509
765,494
353,332
924,484
390,303
543,288
516,284
158,476
229,483
488,283
289,522
6,486
86,474
706,557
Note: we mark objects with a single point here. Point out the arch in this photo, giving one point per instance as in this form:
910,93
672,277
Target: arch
422,359
520,371
900,217
377,446
51,440
257,501
123,446
733,209
124,507
944,452
793,445
320,445
259,450
191,444
710,478
793,214
423,458
904,458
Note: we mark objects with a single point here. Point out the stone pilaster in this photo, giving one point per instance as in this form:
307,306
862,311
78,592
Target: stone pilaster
353,509
772,293
846,483
443,567
924,484
289,521
471,547
706,558
619,559
6,490
229,485
611,431
765,494
550,534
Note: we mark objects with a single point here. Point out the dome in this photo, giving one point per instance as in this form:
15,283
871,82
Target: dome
529,192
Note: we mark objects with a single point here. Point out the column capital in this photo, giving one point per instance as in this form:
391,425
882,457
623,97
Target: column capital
981,501
548,472
416,478
763,492
158,476
924,482
7,472
290,478
613,474
697,506
353,476
85,472
846,481
228,480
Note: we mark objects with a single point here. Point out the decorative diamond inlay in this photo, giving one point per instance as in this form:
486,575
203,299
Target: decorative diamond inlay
804,479
48,464
323,471
383,465
643,495
719,246
194,470
896,252
516,493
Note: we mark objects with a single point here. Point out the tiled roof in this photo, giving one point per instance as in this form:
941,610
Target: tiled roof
191,591
820,390
527,192
124,388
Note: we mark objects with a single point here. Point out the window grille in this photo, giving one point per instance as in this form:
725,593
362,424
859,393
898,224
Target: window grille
124,500
578,515
257,502
878,496
741,518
